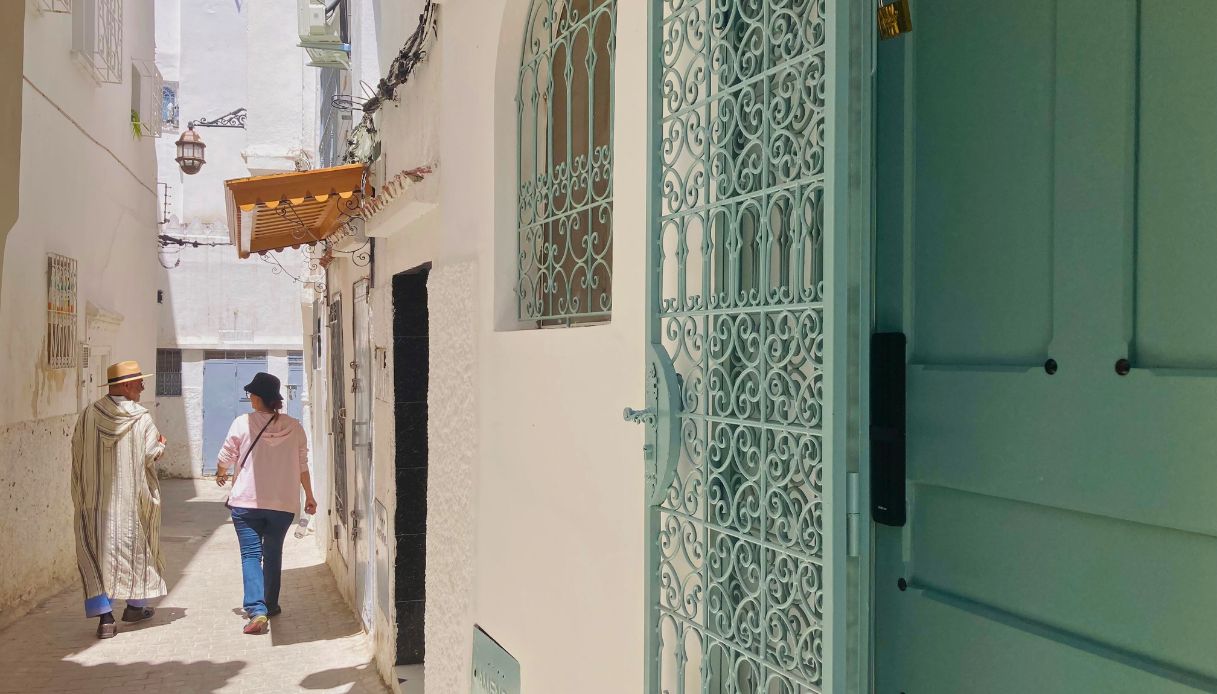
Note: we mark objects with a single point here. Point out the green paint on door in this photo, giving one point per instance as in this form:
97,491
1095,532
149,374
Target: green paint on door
1047,190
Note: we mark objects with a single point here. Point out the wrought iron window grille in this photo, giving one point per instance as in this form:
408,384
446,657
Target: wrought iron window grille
97,38
564,223
61,305
335,121
55,6
168,373
232,119
147,99
170,110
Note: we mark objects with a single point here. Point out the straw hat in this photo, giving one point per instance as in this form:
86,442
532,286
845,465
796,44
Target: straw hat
123,372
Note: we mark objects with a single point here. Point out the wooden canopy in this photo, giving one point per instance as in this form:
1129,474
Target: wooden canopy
270,213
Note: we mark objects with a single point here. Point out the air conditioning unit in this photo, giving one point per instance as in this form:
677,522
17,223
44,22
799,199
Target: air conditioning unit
321,33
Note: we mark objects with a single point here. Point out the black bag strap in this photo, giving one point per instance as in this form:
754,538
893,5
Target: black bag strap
251,448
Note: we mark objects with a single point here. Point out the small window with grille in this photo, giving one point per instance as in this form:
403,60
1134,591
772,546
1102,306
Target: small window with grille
169,107
564,213
61,312
147,99
97,38
168,373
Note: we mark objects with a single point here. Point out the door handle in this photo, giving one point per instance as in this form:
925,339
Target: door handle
661,453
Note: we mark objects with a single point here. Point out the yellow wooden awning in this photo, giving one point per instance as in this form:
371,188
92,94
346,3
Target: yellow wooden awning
270,213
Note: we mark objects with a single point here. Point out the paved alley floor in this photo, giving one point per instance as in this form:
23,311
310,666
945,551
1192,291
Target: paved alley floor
194,642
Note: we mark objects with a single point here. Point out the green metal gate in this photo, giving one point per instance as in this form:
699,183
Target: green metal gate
742,471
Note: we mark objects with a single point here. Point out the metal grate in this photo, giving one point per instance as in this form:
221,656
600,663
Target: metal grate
335,121
738,599
565,162
234,354
61,312
169,107
58,6
97,38
168,373
147,98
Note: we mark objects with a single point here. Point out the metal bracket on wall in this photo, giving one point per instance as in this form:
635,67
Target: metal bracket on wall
232,119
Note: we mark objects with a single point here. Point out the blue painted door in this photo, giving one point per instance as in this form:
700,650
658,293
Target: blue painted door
293,390
1047,199
224,398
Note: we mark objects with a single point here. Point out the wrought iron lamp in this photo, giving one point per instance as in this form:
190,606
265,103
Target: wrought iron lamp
190,152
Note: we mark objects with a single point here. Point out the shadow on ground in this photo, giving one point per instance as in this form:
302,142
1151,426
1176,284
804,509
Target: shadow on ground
38,653
338,677
306,618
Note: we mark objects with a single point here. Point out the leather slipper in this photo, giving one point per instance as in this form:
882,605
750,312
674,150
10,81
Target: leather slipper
137,614
107,631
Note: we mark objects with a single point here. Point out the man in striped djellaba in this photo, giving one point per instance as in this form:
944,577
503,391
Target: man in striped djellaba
117,499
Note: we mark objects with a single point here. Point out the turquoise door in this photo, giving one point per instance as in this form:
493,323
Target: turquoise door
744,512
1047,239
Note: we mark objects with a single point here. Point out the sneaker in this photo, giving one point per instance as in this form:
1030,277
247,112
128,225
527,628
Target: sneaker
256,625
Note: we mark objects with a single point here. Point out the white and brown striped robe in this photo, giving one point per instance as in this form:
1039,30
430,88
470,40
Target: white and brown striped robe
117,500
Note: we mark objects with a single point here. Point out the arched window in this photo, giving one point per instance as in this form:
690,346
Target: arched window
564,219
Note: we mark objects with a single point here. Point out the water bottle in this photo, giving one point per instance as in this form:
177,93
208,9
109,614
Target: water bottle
301,526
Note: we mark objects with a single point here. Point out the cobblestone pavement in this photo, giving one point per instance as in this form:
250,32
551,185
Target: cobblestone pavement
194,642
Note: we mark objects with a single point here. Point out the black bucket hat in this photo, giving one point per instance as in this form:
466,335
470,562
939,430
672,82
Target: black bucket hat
266,387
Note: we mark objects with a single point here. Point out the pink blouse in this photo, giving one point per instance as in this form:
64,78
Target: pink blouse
270,477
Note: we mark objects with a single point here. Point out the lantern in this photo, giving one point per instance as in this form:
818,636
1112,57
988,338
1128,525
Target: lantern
190,151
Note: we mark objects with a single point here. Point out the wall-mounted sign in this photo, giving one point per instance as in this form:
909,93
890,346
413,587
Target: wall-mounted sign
494,670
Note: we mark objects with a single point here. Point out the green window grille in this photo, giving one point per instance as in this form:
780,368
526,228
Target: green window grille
565,162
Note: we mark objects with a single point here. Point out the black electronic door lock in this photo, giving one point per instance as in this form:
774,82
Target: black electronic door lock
887,426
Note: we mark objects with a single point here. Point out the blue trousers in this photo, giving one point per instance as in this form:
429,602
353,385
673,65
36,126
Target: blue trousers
260,533
98,605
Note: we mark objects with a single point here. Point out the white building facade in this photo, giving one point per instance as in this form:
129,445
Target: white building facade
222,319
79,280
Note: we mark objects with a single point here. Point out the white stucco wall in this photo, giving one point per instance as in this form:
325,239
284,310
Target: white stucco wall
177,419
87,192
559,568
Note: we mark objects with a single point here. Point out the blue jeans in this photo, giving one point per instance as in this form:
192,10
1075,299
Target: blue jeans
260,533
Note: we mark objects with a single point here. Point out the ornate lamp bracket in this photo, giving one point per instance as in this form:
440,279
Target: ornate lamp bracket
232,119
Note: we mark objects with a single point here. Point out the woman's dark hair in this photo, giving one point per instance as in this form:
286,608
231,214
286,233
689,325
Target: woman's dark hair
275,405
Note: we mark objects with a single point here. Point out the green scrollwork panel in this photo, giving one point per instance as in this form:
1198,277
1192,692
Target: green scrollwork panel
564,219
738,303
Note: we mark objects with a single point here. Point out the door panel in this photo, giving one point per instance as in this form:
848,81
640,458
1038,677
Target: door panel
363,523
986,226
293,390
1176,187
745,468
338,414
1061,536
224,398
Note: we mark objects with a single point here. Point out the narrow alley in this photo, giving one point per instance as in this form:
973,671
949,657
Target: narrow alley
608,347
194,642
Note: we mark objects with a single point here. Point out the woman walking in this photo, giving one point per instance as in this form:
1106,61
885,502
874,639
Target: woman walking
267,454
